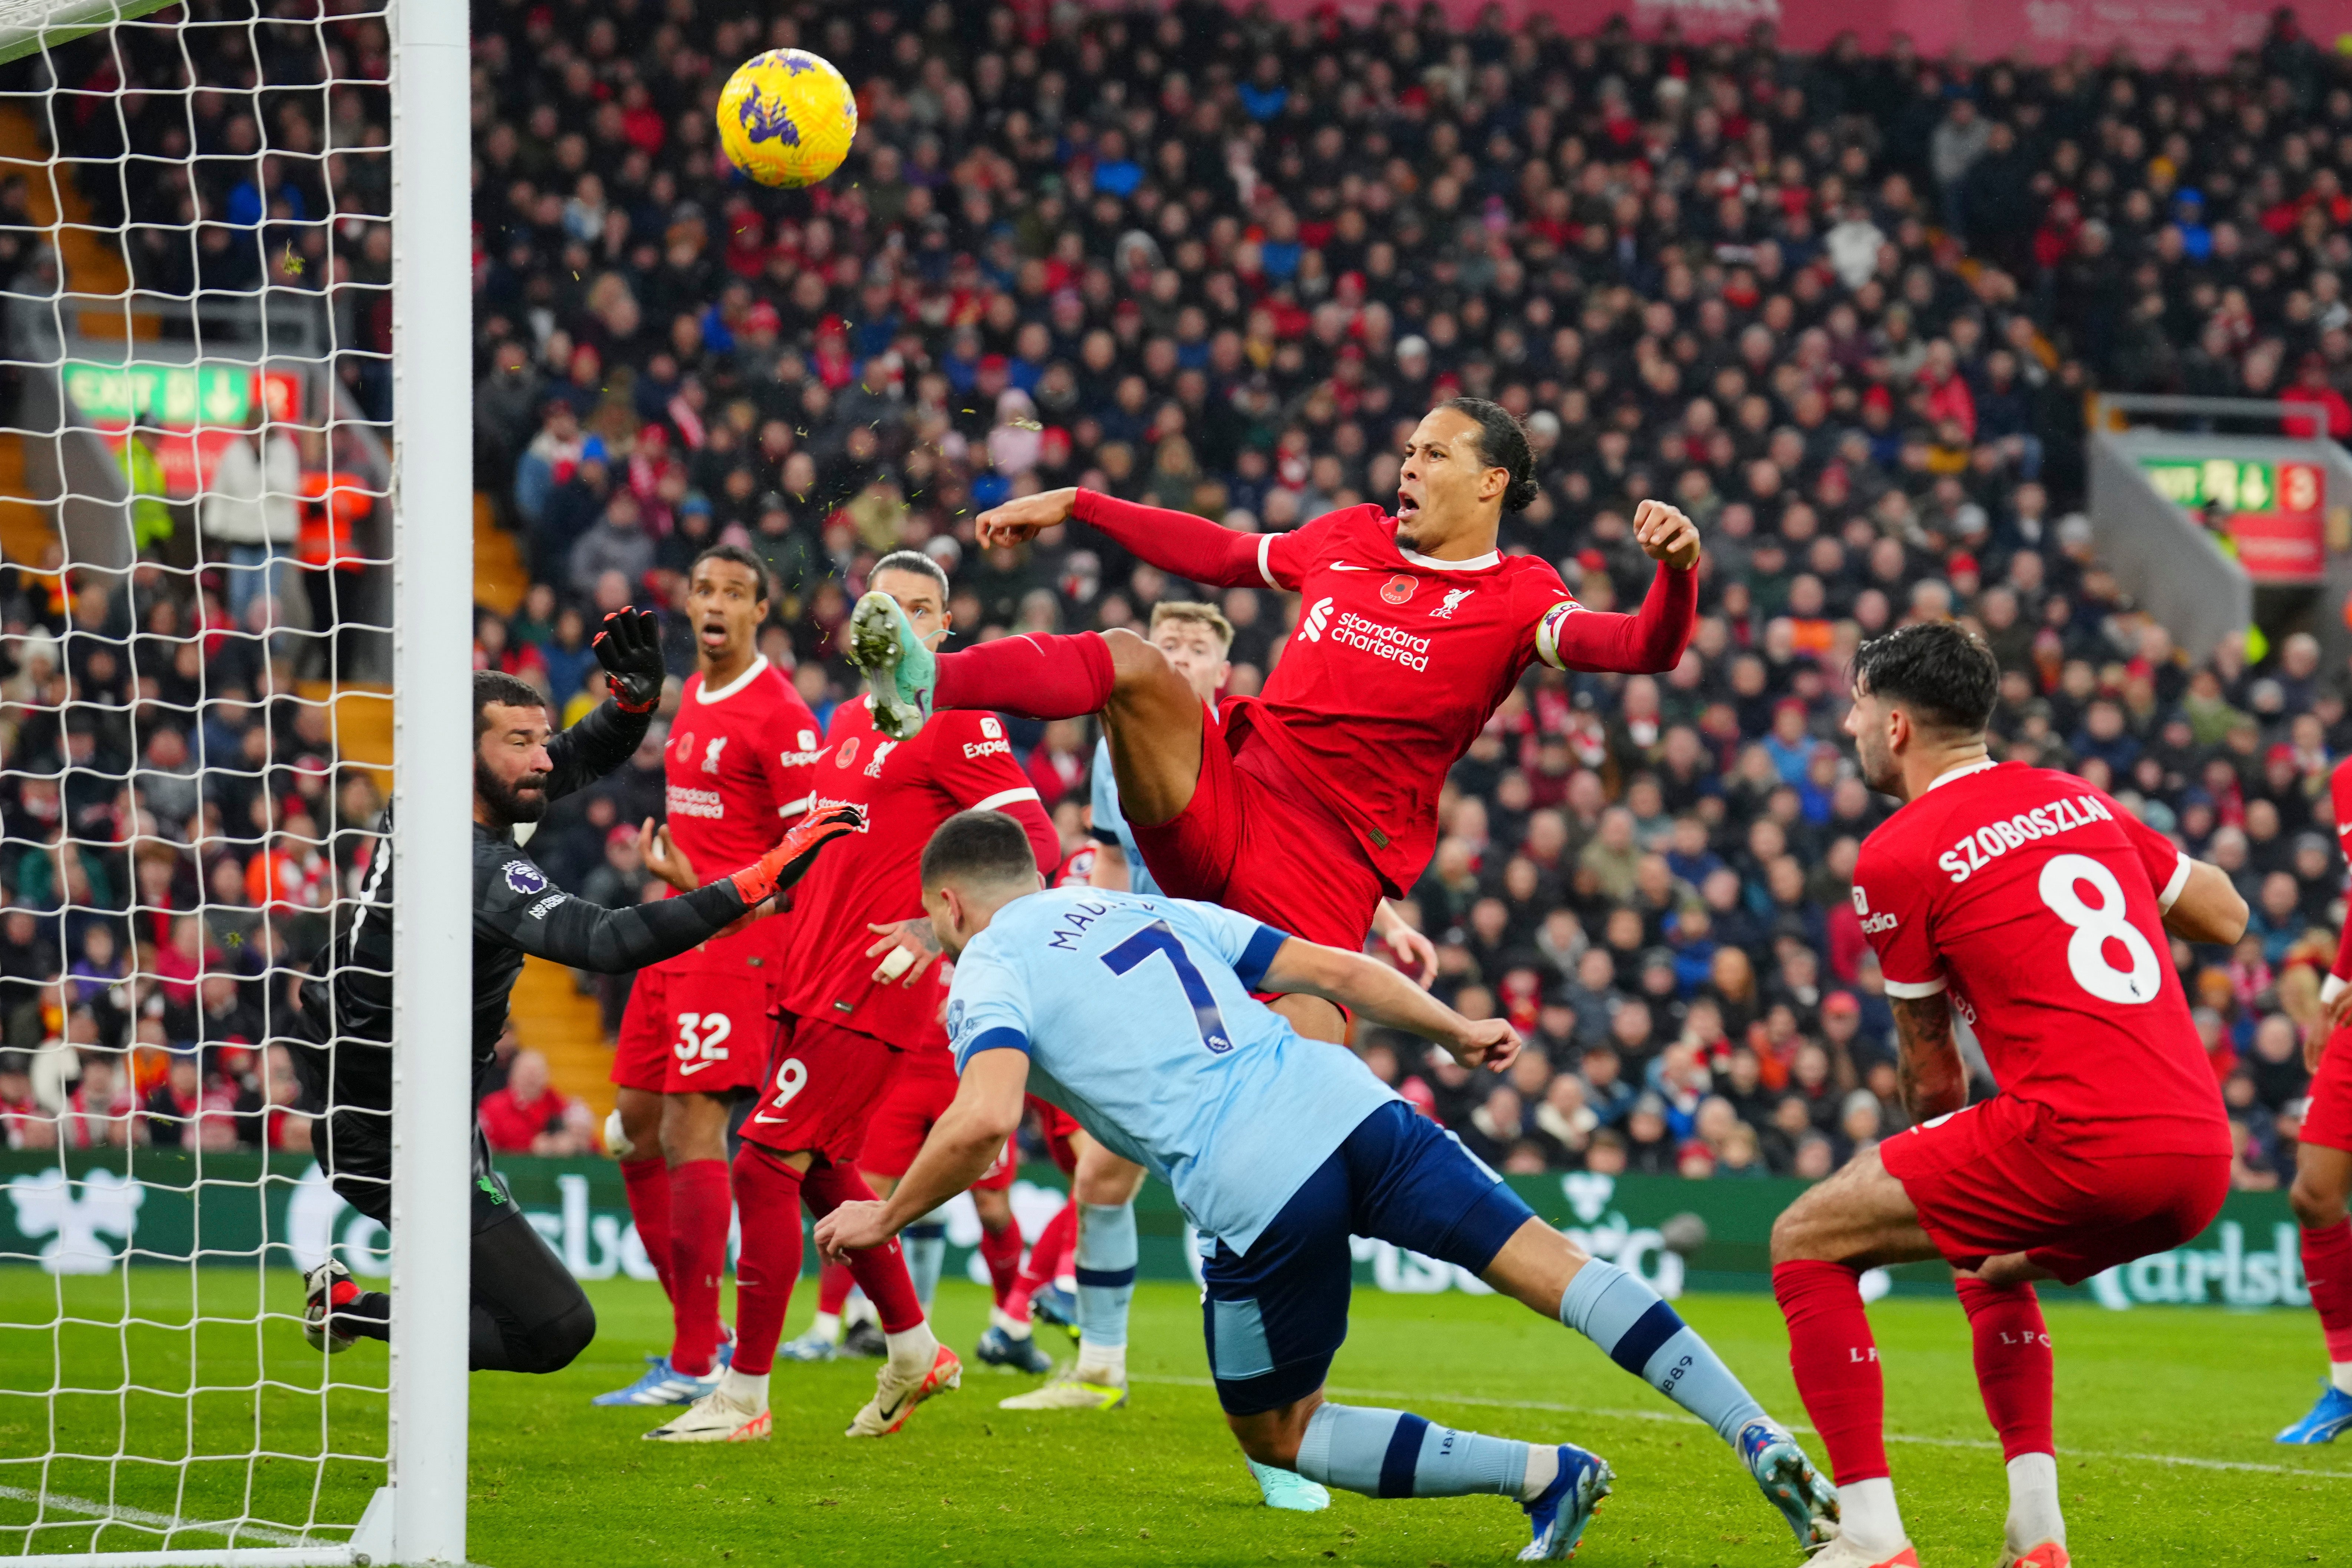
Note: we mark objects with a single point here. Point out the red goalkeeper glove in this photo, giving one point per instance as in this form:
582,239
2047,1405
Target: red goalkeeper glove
781,867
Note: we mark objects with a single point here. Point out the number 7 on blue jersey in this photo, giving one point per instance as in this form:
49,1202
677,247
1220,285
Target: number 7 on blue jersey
1158,938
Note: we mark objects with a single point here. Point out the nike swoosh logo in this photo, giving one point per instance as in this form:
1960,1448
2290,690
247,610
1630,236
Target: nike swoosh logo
690,1070
892,1412
1343,566
772,1120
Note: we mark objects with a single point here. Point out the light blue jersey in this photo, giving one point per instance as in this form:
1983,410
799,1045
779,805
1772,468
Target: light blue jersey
1137,1017
1110,819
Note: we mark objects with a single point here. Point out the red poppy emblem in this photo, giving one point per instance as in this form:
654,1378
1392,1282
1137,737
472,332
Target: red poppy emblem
1399,588
847,753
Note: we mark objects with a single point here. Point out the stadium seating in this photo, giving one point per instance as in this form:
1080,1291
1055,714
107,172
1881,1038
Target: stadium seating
1842,309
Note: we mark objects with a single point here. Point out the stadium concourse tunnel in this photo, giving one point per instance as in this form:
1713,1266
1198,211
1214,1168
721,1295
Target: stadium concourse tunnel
1679,1235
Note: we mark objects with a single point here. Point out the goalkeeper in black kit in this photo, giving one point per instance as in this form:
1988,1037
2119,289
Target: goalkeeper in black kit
529,1313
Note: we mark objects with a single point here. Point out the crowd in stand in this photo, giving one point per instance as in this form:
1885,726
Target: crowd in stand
1841,309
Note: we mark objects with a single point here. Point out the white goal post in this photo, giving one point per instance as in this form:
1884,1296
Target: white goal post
80,474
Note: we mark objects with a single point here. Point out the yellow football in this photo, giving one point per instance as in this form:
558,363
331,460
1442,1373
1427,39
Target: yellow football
787,118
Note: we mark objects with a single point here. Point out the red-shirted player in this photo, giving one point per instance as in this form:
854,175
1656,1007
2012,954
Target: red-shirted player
848,1027
2323,1166
2035,907
1304,806
696,1033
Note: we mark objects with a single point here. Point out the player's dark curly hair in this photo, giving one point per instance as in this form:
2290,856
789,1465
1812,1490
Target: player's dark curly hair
1940,671
1503,443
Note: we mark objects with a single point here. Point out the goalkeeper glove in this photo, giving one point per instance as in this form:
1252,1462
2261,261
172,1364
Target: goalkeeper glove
781,867
629,648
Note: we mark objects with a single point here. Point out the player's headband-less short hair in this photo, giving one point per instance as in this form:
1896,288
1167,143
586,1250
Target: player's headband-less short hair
1940,671
979,846
734,554
1195,613
496,686
913,560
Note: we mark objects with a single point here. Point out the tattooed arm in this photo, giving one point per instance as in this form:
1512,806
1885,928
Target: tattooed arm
1935,1080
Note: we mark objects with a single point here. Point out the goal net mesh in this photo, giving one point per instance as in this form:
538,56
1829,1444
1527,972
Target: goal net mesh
194,717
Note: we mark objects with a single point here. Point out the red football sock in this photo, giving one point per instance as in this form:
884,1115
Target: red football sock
699,1210
648,1184
1836,1364
2327,1271
1048,1255
1037,676
2012,1364
770,1263
881,1271
834,1283
1001,1250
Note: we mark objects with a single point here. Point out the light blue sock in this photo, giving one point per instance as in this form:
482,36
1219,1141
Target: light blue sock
1106,1270
1395,1453
925,1245
1624,1315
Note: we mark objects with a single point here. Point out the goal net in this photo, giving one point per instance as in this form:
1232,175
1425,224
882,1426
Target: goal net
231,499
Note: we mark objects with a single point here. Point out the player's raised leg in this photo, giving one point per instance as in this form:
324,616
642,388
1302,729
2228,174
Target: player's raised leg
1859,1218
2322,1180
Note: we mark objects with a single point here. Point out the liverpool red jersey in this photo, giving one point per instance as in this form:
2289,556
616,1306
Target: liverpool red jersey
1396,663
739,767
957,761
2039,902
2339,798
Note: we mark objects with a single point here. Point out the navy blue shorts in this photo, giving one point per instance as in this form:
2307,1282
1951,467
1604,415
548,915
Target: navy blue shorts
1275,1319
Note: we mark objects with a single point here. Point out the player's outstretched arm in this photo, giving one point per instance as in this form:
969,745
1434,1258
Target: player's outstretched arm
628,646
1652,639
1173,540
1935,1080
962,1144
524,909
1390,999
2208,908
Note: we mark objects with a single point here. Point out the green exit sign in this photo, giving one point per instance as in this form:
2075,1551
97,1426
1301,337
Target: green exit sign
176,396
2237,485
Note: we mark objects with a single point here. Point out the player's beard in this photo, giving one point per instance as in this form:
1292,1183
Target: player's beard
525,800
1878,767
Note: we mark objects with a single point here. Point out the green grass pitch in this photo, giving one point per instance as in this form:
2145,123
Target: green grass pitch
2164,1420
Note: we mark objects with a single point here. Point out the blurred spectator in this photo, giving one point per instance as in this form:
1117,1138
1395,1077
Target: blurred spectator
528,1117
1218,263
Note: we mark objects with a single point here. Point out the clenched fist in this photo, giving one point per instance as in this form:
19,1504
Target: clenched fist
1665,534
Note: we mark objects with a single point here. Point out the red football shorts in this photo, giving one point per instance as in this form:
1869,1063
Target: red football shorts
2328,1122
823,1084
1054,1125
921,1093
699,1022
2004,1176
1255,840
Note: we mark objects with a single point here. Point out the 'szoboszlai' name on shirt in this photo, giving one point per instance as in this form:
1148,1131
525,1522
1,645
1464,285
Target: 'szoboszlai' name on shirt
1974,851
